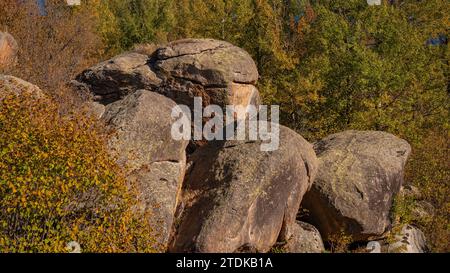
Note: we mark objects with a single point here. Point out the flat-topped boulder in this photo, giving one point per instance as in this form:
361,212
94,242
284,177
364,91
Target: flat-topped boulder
216,71
211,63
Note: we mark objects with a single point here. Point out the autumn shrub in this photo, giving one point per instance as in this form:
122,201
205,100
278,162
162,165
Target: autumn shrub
402,209
428,169
58,184
339,242
53,47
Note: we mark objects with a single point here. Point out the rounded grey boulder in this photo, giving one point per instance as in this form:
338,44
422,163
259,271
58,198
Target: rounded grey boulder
360,172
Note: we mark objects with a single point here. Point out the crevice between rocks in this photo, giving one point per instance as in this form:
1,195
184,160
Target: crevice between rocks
192,54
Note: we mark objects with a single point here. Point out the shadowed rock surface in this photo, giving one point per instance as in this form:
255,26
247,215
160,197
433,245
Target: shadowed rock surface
305,239
155,163
236,196
360,172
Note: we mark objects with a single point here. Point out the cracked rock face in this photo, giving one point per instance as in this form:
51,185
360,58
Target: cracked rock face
8,50
155,163
237,197
214,70
209,62
112,80
360,172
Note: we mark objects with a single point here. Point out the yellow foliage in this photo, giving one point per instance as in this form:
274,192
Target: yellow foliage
58,184
429,170
339,242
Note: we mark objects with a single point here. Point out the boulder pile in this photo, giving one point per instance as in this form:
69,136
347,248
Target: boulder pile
229,195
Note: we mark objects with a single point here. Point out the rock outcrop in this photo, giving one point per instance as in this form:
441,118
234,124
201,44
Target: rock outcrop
230,195
217,71
8,50
134,94
305,239
208,62
360,172
112,80
409,240
238,198
155,163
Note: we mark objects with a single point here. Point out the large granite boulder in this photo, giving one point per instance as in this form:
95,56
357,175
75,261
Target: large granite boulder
8,50
208,62
238,198
360,172
155,163
217,71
